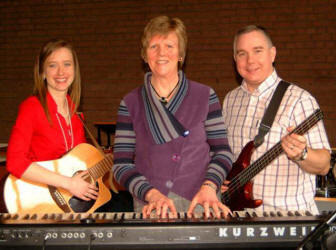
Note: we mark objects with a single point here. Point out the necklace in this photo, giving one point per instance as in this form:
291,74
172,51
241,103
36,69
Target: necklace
162,98
70,131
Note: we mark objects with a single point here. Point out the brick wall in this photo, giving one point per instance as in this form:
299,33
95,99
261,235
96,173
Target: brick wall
107,37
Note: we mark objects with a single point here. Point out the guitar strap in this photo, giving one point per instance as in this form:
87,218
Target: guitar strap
270,113
89,133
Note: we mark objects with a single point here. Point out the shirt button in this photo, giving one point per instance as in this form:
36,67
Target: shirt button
169,184
176,157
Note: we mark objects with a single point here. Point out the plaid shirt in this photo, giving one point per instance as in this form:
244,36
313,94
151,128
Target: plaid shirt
282,185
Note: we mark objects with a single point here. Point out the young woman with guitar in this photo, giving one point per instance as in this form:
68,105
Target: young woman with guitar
47,125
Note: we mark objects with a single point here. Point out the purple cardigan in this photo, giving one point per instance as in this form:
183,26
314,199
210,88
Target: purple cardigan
182,164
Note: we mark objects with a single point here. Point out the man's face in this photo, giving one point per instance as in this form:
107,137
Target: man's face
254,58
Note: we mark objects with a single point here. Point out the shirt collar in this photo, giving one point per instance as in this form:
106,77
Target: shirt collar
52,104
269,83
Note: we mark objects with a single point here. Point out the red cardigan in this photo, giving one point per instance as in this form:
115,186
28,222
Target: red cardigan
33,138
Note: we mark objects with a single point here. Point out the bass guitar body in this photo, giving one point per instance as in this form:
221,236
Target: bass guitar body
242,196
23,196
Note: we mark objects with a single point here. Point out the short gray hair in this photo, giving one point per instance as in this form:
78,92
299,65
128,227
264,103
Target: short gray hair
248,29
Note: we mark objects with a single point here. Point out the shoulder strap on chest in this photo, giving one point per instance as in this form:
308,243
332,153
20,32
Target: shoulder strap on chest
270,113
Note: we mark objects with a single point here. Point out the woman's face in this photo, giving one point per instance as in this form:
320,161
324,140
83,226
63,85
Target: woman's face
163,55
59,70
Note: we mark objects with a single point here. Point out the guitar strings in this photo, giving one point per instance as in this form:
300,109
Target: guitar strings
101,167
245,176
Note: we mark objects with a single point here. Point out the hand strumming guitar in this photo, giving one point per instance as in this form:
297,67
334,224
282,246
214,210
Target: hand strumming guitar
79,187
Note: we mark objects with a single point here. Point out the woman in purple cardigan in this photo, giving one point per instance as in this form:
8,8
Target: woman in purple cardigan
171,151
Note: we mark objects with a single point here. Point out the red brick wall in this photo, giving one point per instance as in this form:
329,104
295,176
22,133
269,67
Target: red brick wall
107,33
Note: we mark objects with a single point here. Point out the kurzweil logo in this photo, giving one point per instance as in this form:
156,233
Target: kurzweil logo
265,231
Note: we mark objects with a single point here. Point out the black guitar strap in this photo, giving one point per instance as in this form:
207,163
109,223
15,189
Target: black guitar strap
270,113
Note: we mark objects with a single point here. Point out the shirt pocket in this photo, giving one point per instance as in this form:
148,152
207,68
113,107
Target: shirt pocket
279,129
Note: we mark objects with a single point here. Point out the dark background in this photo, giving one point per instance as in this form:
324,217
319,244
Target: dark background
107,34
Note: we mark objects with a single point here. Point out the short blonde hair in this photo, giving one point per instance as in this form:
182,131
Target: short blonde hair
163,25
40,84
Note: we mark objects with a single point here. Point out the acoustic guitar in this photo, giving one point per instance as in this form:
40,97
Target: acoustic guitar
23,196
239,193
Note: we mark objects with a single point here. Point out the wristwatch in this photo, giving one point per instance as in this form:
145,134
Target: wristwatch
304,154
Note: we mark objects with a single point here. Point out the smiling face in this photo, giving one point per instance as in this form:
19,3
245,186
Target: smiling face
59,70
162,55
254,58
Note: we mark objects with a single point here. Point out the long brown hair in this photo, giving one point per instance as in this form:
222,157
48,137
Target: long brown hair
40,84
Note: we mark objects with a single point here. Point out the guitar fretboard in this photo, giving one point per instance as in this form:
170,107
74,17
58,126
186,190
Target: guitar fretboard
101,167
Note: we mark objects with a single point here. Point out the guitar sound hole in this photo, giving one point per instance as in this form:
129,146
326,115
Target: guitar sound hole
80,206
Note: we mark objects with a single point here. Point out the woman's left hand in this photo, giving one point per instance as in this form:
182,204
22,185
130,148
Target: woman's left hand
207,197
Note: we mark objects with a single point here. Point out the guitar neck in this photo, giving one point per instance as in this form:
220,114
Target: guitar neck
101,167
251,171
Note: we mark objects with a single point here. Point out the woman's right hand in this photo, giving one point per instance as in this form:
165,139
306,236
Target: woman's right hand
82,189
159,202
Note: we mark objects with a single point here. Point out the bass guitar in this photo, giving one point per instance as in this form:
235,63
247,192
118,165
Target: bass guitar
23,196
239,193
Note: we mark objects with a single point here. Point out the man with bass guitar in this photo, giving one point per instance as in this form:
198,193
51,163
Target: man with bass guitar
288,181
